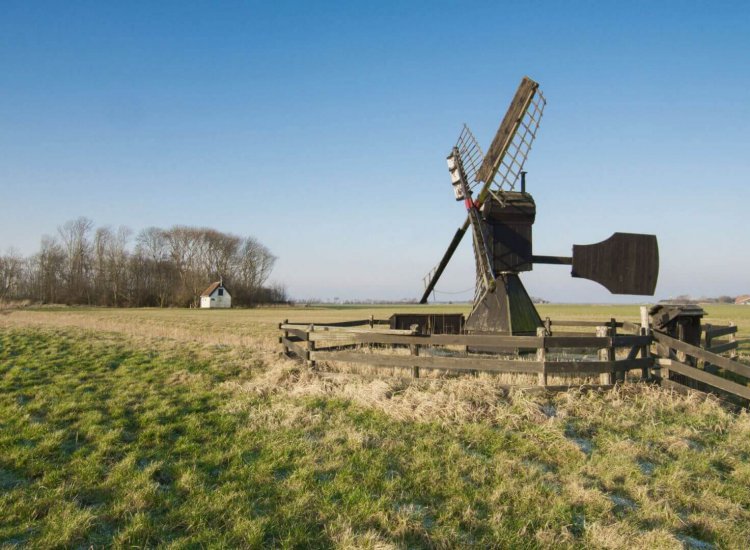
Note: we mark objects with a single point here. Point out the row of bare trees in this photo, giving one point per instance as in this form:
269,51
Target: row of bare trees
159,267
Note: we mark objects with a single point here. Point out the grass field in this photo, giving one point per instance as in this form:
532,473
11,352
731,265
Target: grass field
183,428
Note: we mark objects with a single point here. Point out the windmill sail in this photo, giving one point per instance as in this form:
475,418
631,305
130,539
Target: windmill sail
510,147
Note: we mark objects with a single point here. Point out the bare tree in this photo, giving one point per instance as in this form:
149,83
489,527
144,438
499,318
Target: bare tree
10,273
75,240
51,265
166,267
153,274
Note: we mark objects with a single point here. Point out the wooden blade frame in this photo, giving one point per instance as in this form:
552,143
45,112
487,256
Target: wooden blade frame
505,133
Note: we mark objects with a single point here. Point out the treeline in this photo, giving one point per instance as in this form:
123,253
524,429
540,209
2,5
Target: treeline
159,267
687,299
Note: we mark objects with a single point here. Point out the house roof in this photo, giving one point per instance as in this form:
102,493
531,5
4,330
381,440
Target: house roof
742,299
211,288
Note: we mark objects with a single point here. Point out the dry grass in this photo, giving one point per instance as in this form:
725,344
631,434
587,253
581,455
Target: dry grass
222,440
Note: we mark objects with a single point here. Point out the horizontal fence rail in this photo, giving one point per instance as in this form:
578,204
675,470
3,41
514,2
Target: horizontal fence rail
728,376
610,349
710,334
362,342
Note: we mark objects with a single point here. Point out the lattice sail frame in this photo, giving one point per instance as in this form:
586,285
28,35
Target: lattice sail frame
512,164
471,155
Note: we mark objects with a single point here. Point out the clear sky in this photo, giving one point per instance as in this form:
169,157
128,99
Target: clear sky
322,128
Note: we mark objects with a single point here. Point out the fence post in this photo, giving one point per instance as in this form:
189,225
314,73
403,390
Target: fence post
541,355
605,378
733,338
646,349
310,347
284,334
612,351
682,357
708,367
414,348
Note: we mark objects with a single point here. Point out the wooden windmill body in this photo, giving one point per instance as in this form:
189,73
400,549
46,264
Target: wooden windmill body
501,220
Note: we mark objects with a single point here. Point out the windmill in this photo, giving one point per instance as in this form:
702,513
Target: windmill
501,217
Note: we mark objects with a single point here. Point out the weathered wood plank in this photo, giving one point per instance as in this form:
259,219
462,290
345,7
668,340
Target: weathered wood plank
444,363
679,388
356,329
596,367
721,348
438,339
577,342
541,356
296,348
699,353
570,334
555,342
631,327
568,323
301,334
627,340
717,331
706,378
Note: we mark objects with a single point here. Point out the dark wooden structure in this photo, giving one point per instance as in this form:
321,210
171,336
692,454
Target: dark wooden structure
501,220
625,263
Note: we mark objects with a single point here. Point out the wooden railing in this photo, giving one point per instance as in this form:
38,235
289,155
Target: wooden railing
618,347
363,342
711,333
717,372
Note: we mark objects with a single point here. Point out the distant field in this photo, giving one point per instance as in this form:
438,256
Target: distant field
184,428
258,326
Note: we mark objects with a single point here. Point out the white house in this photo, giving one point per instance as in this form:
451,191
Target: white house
743,300
216,295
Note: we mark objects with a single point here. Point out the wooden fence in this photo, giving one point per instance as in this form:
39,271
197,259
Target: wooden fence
614,344
688,366
711,335
618,347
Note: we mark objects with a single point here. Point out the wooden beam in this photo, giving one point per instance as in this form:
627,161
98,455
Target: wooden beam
699,353
436,339
300,334
343,329
571,323
552,260
717,331
721,348
577,341
295,348
707,378
460,232
625,340
444,363
596,367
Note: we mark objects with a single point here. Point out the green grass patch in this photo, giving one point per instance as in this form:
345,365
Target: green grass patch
107,443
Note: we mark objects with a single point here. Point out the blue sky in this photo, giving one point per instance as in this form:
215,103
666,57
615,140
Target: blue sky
322,129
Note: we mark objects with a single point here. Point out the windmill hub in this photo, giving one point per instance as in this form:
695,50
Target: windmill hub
500,219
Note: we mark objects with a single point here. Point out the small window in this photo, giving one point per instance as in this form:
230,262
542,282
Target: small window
221,292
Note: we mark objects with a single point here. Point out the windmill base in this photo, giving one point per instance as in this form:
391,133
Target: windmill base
507,310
